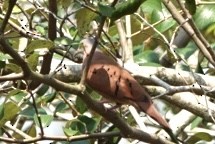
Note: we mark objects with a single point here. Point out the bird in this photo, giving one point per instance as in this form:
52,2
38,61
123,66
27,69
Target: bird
116,84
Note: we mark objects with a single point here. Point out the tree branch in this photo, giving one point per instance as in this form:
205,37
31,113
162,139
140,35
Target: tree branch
186,26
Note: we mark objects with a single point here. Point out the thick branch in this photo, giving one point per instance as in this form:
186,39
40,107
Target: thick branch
185,25
127,130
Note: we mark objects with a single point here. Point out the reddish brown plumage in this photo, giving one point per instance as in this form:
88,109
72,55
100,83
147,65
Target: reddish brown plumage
116,84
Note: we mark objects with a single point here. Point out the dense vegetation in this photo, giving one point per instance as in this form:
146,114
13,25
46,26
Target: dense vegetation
43,98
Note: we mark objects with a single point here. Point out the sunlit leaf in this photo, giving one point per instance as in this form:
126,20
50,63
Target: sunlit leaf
69,132
38,44
196,122
204,16
17,94
74,127
45,119
10,111
33,61
80,105
4,57
84,18
150,5
32,131
163,26
200,136
29,112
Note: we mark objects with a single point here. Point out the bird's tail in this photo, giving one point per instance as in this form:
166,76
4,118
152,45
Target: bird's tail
150,110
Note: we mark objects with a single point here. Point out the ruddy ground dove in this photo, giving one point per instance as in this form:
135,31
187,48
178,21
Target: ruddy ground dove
115,83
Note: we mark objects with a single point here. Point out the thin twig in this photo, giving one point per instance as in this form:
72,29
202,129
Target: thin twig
75,112
90,56
186,26
159,33
11,4
37,113
17,131
196,30
62,138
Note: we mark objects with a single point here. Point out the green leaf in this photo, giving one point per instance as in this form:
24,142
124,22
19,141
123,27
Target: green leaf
17,94
47,98
4,57
139,38
73,32
29,112
69,132
187,51
38,44
105,10
164,25
63,41
200,136
40,29
191,6
150,5
65,3
45,119
90,123
126,8
10,111
204,16
84,18
43,90
33,61
61,107
196,122
80,105
32,131
74,127
13,67
1,111
147,56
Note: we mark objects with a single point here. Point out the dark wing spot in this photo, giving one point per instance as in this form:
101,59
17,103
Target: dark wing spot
110,75
119,79
117,88
129,83
130,86
114,73
94,71
108,69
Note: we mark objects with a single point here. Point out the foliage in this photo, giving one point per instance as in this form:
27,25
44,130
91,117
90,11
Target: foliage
29,107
